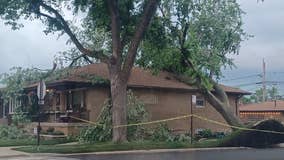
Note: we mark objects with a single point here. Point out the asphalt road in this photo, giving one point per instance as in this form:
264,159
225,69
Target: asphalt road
235,154
239,154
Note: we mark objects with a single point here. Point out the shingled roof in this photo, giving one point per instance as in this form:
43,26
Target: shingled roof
138,78
277,105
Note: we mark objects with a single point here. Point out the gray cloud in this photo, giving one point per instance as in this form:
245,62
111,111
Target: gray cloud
263,20
28,47
31,47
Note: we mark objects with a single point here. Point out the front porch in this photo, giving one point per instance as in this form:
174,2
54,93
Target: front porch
62,100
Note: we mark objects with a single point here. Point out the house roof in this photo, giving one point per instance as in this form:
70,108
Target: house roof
138,78
277,105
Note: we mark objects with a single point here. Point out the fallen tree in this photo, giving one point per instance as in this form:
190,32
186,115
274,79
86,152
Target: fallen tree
257,139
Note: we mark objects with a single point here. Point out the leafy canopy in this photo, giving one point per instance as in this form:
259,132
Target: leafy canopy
197,38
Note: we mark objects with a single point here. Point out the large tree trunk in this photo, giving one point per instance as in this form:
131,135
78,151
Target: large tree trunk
119,97
120,66
220,102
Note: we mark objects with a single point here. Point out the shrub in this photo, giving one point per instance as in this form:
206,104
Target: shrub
219,135
12,132
163,133
206,133
19,117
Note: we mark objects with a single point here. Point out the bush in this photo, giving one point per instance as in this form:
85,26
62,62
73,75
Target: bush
206,133
12,132
219,135
19,117
163,133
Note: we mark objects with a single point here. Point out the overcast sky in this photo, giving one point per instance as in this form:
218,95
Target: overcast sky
265,22
30,47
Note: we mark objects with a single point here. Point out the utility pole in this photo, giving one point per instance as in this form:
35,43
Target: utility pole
263,81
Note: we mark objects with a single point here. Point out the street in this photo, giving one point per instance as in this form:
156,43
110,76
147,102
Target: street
235,154
212,154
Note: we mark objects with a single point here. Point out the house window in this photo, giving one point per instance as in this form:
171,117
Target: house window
75,101
200,102
13,104
57,99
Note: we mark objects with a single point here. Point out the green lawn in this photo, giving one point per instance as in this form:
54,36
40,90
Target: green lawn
29,141
83,148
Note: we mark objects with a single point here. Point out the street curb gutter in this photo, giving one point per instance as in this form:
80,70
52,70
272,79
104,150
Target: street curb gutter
145,151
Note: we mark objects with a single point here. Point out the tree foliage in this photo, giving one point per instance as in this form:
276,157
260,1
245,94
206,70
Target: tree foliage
271,93
16,80
126,22
203,33
136,113
191,38
199,38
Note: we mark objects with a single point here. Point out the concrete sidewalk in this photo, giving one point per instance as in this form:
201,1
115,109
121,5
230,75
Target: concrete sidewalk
7,152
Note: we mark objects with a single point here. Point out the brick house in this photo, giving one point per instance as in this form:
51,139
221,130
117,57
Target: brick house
252,113
163,95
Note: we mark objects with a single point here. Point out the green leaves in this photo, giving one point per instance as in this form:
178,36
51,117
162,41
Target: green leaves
136,113
16,79
203,33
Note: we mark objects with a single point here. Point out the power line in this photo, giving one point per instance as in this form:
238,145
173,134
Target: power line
259,83
249,84
272,82
275,72
243,77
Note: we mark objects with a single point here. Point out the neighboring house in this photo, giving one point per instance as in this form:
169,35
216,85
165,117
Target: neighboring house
252,113
163,95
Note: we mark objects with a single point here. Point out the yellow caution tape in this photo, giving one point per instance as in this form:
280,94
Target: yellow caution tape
83,120
182,117
235,127
153,122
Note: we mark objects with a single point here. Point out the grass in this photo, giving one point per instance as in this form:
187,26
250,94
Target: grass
30,141
145,145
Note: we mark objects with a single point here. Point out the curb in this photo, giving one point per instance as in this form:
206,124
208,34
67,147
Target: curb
143,151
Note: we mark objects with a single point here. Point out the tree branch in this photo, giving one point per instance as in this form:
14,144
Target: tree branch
184,34
115,30
92,53
141,28
80,56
